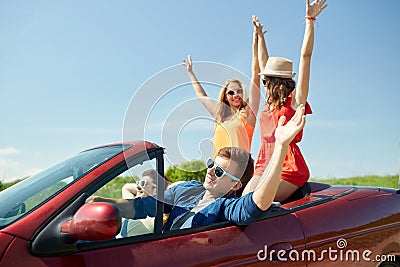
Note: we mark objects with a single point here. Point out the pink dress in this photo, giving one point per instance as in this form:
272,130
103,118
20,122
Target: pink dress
294,169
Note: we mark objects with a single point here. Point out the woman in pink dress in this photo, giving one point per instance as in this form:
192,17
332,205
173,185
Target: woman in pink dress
283,99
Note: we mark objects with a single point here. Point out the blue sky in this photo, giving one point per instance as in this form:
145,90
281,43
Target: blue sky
69,71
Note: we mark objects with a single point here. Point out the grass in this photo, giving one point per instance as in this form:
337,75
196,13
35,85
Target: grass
390,181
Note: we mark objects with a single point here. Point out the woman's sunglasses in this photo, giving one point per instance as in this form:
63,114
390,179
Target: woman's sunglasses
219,172
231,92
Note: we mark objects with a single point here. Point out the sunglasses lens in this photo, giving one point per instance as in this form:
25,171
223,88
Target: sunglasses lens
141,183
210,163
264,81
231,92
218,171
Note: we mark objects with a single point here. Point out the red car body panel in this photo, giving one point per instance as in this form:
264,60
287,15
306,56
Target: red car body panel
5,241
238,245
231,245
366,224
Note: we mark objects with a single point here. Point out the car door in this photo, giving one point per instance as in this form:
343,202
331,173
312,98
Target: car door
223,244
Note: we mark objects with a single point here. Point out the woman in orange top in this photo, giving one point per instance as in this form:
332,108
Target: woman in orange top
283,99
235,118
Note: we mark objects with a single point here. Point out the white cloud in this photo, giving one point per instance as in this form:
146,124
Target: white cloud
9,151
9,170
4,163
10,166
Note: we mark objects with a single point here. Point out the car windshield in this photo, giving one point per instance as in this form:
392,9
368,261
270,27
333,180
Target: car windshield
25,196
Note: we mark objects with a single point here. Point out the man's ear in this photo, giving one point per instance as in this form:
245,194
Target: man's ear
237,186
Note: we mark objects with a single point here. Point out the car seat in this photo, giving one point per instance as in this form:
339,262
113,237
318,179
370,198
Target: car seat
303,191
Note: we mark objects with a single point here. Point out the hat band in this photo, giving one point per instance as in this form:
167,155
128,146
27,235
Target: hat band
268,71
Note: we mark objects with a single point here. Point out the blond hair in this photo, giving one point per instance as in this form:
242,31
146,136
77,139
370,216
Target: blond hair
223,110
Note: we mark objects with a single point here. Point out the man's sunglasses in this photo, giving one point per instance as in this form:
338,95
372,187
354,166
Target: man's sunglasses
141,183
219,172
231,92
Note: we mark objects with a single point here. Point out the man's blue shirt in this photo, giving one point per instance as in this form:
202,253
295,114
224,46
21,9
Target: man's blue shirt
185,196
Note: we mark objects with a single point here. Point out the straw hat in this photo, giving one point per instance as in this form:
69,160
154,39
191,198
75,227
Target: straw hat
278,67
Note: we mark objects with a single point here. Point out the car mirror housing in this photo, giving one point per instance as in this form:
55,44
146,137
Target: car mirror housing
94,221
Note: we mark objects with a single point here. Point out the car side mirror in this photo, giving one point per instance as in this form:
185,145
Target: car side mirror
94,221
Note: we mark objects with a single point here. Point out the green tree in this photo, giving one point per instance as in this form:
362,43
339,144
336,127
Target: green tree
113,188
7,185
187,171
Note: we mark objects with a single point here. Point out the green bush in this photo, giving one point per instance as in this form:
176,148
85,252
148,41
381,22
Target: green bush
187,171
113,188
7,185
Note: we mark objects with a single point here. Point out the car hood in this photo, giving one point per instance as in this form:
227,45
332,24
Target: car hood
345,192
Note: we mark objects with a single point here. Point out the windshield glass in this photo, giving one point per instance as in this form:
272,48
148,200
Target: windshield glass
25,196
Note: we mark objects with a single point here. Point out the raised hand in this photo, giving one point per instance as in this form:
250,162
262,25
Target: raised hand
188,63
258,27
315,8
284,134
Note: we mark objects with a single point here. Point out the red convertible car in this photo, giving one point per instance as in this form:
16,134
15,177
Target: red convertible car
45,220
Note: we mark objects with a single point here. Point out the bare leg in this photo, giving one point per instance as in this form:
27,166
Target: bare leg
285,190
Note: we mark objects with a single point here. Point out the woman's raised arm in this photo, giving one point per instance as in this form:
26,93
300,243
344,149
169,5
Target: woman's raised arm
208,103
254,90
301,91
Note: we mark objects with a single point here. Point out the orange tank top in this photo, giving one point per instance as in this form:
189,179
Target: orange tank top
235,132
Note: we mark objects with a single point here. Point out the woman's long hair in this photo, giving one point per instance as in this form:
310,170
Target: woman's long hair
278,90
223,109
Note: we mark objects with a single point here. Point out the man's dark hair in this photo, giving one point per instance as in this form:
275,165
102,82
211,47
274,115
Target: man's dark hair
152,173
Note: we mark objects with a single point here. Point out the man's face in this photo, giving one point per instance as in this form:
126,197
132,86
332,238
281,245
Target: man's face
221,186
149,189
